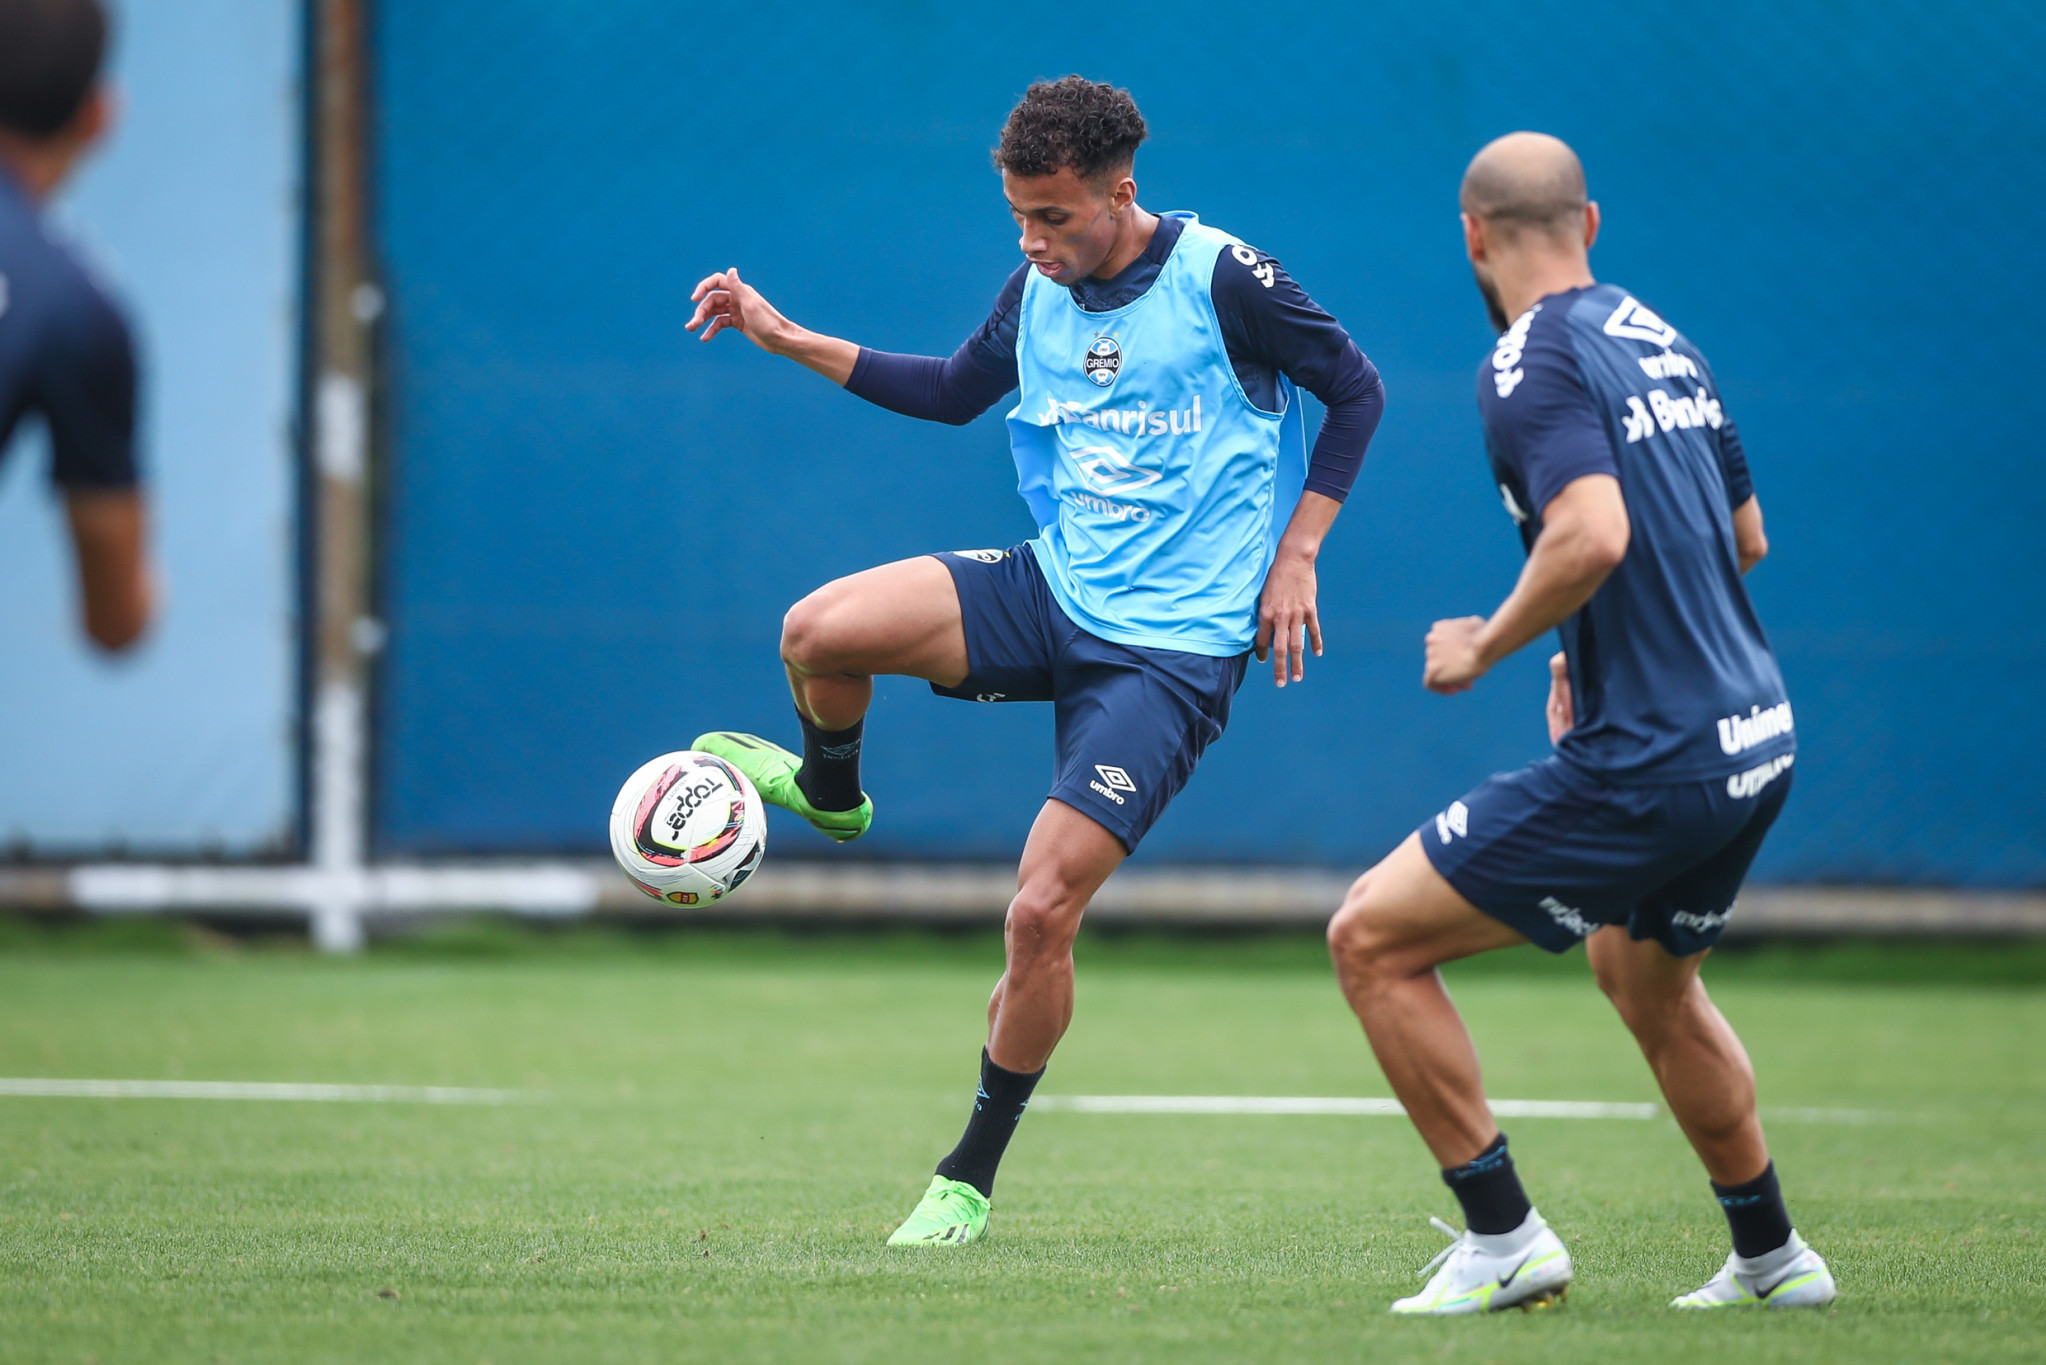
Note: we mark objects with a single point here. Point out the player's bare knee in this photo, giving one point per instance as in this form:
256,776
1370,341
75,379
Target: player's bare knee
1344,933
807,631
1359,942
1043,921
1344,925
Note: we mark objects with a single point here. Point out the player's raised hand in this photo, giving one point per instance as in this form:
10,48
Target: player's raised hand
1454,661
1285,612
725,301
1562,714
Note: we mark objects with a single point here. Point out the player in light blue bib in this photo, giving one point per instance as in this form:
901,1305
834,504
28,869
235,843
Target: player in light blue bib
1160,488
1160,446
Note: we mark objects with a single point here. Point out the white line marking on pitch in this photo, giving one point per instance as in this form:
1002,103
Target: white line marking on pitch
1505,1109
258,1090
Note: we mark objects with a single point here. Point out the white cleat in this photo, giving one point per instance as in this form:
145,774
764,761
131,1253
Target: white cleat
1525,1268
1792,1276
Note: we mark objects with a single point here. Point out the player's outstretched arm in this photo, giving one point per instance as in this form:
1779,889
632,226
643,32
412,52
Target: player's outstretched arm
1584,538
725,301
1286,609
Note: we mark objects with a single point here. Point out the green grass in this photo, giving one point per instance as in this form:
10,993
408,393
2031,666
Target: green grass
733,1121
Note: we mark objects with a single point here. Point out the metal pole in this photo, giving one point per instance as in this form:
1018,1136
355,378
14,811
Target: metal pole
346,301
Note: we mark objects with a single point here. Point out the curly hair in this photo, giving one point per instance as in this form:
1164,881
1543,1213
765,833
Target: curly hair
1089,125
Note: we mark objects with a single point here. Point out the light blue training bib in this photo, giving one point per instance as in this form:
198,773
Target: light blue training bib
1160,492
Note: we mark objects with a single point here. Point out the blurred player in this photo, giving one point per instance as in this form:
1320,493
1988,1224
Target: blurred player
65,355
1161,449
1673,747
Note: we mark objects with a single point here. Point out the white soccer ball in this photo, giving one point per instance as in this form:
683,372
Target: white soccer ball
688,828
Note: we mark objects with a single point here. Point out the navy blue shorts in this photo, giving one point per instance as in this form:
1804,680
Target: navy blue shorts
1554,852
1131,722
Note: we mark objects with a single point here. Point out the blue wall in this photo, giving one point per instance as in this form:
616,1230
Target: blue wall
594,523
190,211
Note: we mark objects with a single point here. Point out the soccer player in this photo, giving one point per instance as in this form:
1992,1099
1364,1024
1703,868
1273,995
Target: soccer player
1160,447
1615,457
65,354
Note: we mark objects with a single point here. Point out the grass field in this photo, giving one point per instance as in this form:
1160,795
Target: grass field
729,1125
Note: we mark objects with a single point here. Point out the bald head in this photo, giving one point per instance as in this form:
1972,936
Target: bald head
1526,181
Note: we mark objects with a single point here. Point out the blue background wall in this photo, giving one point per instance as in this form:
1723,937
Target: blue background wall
190,212
594,523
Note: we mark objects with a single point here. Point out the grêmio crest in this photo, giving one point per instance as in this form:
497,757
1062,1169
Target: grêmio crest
1104,358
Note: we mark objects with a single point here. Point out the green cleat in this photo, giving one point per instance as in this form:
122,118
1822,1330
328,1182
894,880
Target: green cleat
773,770
951,1213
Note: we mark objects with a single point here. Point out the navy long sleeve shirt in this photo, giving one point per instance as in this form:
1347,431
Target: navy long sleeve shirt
1269,326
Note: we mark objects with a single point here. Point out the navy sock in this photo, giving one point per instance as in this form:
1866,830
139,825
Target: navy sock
1489,1189
999,1104
1755,1213
830,775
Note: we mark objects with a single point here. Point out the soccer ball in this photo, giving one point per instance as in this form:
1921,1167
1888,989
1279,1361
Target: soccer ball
688,828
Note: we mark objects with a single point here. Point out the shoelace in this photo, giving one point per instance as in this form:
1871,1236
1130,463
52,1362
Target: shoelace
1455,1241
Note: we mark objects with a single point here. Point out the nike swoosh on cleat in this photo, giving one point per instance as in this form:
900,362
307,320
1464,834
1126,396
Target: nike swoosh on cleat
1514,1273
1762,1292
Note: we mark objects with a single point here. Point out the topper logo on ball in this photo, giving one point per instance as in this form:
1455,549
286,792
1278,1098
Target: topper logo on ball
686,800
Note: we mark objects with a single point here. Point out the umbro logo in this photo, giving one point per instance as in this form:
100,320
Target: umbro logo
1110,471
1638,322
1113,783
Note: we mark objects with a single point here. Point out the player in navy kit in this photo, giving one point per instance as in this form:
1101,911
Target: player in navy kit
1616,458
65,355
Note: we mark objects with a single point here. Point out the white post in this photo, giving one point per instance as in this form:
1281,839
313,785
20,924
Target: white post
341,880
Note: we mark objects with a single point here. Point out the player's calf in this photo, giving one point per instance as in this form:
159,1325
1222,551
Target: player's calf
1068,857
1709,1084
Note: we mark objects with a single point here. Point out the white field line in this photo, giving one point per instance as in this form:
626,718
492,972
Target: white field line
258,1090
1505,1109
27,1087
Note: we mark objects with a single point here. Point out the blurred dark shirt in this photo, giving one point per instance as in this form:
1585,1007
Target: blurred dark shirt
65,354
